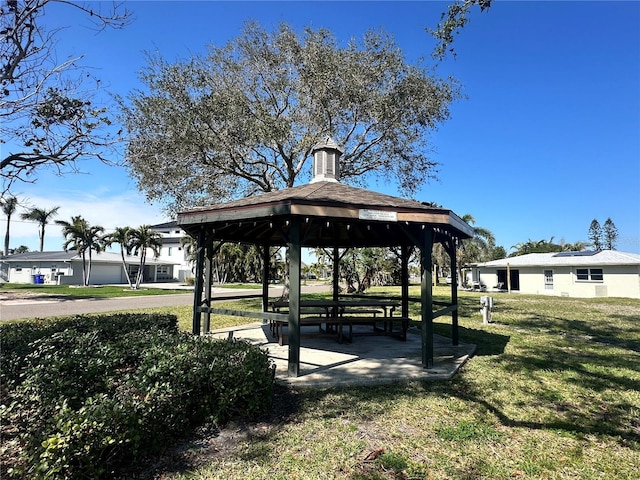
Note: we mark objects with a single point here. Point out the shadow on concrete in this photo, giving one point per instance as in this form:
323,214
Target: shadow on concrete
369,359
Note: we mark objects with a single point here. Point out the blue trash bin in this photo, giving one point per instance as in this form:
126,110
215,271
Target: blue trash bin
39,278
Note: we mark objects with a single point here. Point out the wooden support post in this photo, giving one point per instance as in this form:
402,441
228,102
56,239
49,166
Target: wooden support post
336,273
197,287
266,261
295,260
208,280
426,296
455,339
404,259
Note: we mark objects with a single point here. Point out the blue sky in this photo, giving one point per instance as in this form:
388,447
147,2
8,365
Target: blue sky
547,139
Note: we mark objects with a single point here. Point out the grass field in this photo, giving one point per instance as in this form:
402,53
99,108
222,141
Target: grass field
553,392
78,292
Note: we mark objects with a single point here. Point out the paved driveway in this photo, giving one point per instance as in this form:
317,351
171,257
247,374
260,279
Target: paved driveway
42,307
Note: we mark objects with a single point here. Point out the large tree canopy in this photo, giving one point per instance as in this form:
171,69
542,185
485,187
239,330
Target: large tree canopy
47,116
244,117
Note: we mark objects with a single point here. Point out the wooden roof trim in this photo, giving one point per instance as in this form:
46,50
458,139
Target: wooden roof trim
199,217
317,204
440,217
310,210
324,211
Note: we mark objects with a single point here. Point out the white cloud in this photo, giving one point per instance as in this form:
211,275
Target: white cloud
109,211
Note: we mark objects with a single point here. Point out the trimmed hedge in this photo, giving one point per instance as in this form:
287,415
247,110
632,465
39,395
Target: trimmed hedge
16,338
88,400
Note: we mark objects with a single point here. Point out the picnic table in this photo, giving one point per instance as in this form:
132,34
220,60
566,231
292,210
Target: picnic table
334,315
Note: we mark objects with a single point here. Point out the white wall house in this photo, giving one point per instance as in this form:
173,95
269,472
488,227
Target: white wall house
172,250
65,268
606,273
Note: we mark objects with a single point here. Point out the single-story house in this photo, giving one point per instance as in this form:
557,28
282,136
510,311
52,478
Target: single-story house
65,268
604,273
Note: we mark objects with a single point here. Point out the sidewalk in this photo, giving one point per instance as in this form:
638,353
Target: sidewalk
370,359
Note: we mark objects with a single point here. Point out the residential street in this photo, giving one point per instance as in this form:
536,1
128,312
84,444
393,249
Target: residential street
41,307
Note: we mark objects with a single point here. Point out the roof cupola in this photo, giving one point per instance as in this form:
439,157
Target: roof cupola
326,161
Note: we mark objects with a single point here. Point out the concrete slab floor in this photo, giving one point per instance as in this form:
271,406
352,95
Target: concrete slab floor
369,359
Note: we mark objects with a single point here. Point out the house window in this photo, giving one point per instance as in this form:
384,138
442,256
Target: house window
18,268
169,251
596,274
548,279
163,269
589,274
582,273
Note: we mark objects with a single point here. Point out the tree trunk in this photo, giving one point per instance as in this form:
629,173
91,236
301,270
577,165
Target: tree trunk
461,279
140,275
89,270
124,266
286,280
41,238
84,268
6,236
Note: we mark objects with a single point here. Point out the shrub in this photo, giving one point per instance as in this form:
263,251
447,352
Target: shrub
89,401
17,339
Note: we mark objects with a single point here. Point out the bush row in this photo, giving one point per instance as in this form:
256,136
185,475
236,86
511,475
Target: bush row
16,339
88,401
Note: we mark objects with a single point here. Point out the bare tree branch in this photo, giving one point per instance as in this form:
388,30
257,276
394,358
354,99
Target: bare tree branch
32,80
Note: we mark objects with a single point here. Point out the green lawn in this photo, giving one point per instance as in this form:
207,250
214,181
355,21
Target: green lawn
553,392
73,292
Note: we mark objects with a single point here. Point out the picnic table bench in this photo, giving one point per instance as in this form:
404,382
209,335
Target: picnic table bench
335,316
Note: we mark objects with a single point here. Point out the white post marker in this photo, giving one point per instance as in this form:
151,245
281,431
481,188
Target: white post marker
486,304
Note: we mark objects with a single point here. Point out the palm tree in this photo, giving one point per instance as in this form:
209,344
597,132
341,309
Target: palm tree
84,238
188,244
41,216
575,247
8,206
533,246
121,236
475,249
143,239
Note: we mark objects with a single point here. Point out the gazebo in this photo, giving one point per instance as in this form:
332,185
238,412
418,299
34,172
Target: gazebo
330,215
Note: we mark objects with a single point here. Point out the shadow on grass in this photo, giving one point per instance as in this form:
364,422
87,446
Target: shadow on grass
573,384
487,343
603,419
622,334
566,376
607,419
245,440
569,382
607,321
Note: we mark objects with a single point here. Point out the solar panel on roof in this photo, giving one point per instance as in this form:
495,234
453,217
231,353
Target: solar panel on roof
584,253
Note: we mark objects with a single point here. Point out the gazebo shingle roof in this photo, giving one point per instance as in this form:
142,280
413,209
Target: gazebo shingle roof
332,211
326,193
